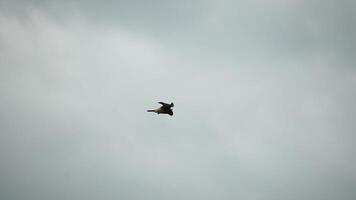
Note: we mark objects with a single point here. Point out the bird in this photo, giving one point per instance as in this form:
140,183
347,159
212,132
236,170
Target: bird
164,109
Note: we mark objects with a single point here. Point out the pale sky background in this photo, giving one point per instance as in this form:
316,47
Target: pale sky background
265,96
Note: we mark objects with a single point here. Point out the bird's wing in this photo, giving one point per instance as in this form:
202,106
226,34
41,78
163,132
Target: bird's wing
170,112
163,104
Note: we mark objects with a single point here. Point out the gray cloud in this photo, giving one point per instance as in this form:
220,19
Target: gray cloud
264,96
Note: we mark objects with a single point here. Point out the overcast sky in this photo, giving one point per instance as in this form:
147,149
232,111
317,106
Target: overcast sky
264,95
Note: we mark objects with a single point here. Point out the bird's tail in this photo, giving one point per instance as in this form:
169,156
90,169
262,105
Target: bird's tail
151,110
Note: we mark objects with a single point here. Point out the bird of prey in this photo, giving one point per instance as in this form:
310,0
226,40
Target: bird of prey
164,109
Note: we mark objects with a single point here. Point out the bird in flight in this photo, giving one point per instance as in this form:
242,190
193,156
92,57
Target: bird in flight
164,109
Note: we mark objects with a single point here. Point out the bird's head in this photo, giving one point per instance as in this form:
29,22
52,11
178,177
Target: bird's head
172,104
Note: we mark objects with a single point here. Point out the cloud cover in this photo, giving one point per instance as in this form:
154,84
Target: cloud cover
264,95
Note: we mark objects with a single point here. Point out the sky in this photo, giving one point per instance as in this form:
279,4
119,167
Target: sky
264,95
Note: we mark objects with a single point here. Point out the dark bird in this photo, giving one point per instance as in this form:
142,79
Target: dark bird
164,109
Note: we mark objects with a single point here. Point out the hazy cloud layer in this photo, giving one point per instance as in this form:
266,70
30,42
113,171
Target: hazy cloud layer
264,95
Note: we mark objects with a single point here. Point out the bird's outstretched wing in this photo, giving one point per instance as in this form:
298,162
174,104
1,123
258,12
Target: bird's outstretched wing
164,104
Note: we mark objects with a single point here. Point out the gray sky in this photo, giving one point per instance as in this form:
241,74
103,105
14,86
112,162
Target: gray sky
265,96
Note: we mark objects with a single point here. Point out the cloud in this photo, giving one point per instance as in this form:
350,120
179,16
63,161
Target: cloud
74,94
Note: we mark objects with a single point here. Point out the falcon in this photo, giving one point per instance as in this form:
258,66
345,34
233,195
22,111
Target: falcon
164,109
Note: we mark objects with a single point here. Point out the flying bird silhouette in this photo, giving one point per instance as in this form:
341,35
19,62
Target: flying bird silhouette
164,109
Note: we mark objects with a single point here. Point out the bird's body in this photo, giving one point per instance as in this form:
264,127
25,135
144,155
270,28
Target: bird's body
164,109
